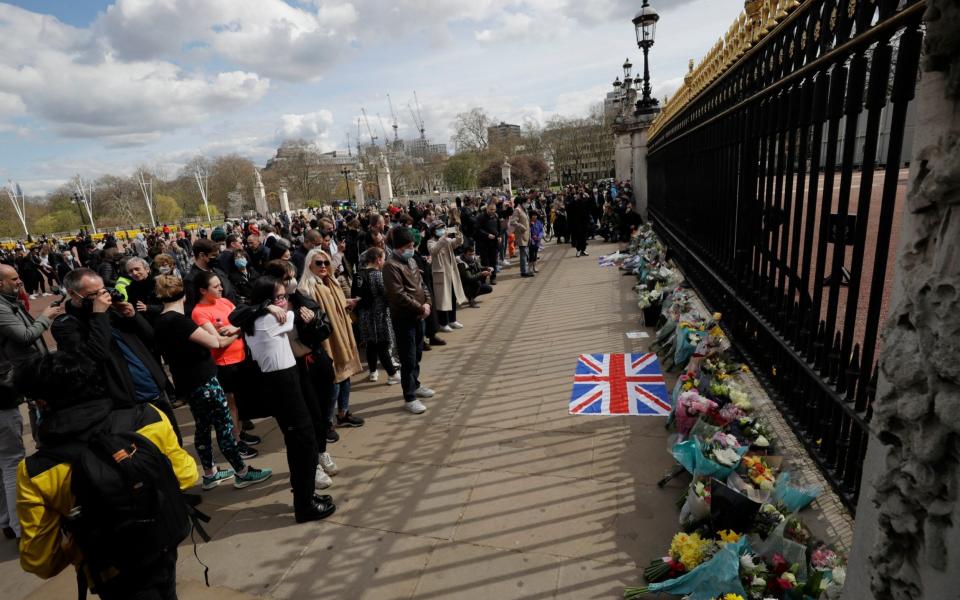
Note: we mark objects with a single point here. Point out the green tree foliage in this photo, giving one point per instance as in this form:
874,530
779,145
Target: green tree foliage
461,171
167,210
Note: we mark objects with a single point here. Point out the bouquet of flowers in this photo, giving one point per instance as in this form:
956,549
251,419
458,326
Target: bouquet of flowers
689,406
724,449
759,471
696,505
687,551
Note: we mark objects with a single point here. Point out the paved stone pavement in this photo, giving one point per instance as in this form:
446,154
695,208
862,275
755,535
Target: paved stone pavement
494,492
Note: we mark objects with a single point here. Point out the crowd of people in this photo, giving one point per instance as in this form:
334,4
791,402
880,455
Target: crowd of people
250,319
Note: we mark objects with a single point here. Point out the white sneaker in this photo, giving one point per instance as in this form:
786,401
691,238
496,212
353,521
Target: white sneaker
445,328
33,296
326,461
321,480
394,379
374,376
456,325
506,263
423,392
416,407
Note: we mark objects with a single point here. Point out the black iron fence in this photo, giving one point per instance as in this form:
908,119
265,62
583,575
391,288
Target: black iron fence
768,188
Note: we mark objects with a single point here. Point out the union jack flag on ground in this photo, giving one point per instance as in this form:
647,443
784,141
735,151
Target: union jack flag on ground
619,384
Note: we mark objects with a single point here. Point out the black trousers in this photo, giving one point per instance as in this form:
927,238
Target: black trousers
488,257
579,239
380,350
293,417
157,583
409,336
316,381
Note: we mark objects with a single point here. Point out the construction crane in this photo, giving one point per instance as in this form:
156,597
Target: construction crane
423,135
386,138
393,116
366,121
358,136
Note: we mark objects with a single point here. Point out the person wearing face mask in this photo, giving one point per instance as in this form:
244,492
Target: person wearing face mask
140,291
164,264
373,314
117,338
410,304
242,275
487,235
447,286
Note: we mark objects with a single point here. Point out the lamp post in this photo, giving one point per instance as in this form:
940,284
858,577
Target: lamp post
645,25
346,180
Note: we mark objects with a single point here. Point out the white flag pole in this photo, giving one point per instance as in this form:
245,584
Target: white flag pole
201,176
19,205
86,194
147,188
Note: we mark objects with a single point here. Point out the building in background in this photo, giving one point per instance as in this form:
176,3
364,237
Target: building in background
503,135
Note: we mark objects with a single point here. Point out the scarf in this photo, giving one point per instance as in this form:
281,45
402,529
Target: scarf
341,346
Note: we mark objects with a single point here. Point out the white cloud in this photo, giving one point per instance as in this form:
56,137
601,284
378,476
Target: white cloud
312,127
55,72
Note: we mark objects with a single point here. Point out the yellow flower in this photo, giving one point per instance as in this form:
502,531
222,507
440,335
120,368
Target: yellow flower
728,537
732,597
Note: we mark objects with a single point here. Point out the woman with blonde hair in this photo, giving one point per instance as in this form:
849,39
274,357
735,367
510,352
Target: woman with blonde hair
320,284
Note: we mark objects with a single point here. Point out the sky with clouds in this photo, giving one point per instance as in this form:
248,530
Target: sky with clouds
94,86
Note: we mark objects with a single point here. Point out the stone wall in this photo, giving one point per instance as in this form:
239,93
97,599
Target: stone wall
907,540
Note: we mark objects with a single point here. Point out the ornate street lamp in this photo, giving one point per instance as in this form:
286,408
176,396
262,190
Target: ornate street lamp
346,180
645,24
627,69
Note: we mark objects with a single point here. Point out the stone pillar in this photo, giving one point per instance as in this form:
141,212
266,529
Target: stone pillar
384,182
260,196
284,200
505,177
907,536
358,191
630,155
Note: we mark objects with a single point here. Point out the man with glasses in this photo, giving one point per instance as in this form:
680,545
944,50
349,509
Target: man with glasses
115,336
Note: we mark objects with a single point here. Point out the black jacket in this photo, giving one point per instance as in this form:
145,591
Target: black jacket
145,291
486,224
310,334
92,336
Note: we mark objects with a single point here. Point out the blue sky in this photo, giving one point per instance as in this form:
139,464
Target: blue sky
94,87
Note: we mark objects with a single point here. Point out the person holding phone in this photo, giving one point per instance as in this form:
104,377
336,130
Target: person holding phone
447,287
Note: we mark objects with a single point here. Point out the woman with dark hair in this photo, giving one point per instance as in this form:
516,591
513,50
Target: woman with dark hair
373,314
280,249
186,349
212,313
269,343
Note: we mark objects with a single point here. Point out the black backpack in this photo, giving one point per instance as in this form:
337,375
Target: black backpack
129,510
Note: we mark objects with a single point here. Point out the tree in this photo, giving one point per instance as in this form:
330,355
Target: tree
470,130
167,210
461,171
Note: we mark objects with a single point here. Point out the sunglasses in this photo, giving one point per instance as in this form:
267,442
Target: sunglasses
321,263
326,233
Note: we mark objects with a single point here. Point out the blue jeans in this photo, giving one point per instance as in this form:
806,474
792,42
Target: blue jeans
504,241
409,338
341,394
523,259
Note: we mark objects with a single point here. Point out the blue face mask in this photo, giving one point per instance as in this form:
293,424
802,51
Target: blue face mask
440,232
407,254
241,263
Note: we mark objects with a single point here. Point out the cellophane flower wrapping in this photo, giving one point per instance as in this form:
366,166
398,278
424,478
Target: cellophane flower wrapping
719,575
794,498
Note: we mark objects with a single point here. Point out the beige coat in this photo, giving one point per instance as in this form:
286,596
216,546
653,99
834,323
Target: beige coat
521,226
446,275
341,346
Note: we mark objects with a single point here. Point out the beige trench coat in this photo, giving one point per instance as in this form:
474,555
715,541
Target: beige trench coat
446,275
